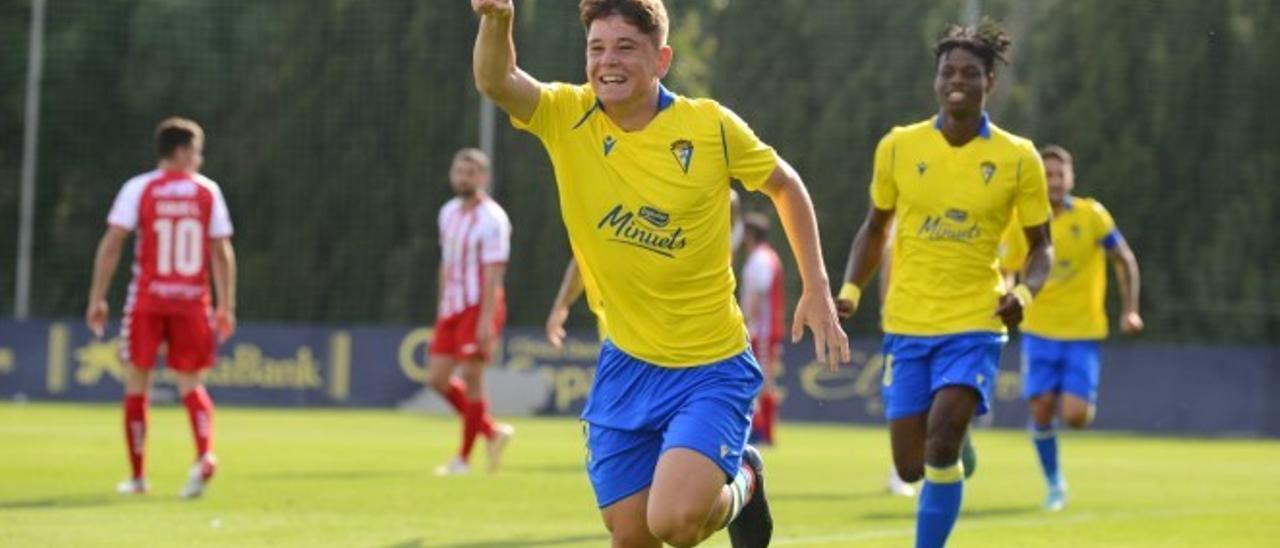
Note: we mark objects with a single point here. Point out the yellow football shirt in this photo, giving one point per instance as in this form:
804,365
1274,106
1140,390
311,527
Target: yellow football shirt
951,205
1072,303
647,214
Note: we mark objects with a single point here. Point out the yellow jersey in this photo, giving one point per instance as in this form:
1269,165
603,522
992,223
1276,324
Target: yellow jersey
1072,303
647,214
951,206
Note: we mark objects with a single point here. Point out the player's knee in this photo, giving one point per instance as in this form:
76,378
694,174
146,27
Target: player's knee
942,446
677,526
1077,418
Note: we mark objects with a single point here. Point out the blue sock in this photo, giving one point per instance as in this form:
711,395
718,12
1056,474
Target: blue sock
1046,441
939,505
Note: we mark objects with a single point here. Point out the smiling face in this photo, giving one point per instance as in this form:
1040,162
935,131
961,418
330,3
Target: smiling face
962,83
623,63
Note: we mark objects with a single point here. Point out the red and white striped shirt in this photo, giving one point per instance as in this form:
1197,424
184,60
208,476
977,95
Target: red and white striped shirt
174,214
762,280
470,238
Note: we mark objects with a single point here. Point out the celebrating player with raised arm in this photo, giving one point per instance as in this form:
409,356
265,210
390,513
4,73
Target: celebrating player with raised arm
952,182
1060,335
475,242
643,178
183,232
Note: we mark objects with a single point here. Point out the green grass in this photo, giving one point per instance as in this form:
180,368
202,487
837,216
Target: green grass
364,478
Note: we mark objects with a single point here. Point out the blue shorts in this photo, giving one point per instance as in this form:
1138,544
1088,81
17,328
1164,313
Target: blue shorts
1058,366
636,411
917,367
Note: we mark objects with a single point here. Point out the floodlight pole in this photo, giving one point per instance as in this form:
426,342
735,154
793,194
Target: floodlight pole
31,132
972,11
488,118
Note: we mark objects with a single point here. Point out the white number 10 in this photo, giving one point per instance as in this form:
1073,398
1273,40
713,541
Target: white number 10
179,246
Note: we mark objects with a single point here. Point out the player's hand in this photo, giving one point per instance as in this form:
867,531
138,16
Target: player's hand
225,321
494,8
484,332
1131,323
816,311
845,308
555,326
96,317
1009,309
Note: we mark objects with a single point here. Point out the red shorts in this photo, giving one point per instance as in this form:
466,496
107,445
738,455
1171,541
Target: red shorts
455,336
188,336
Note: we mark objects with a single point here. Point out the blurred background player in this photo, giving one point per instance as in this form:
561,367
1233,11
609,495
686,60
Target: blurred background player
668,415
475,242
1061,332
761,298
953,182
183,231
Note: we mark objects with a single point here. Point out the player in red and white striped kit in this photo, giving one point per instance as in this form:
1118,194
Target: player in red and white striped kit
475,242
183,234
761,300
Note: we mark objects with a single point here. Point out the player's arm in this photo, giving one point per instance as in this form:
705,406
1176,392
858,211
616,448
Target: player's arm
1035,272
570,290
222,261
493,275
865,256
494,61
815,308
1129,282
105,262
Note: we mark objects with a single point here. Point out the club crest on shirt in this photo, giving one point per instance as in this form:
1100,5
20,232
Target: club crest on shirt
682,150
988,171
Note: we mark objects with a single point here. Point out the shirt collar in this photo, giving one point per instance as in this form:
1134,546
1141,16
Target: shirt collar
665,98
984,125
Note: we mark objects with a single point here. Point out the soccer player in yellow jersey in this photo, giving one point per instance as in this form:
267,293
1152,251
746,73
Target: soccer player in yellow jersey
1061,332
643,179
951,183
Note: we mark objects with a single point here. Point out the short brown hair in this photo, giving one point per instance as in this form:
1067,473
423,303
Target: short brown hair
174,133
650,16
473,155
1055,151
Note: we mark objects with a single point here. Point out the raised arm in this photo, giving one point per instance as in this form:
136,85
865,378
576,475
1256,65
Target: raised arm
494,61
815,308
105,262
865,256
1129,282
222,259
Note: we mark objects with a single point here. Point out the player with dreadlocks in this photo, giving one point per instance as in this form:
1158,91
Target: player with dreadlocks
952,182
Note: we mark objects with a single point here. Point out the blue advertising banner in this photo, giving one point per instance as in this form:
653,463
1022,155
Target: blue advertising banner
1171,389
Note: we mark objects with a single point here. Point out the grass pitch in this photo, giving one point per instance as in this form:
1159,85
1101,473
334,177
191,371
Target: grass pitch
364,478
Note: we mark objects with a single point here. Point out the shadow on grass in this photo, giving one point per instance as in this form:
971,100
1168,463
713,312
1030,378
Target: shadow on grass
559,541
70,501
979,513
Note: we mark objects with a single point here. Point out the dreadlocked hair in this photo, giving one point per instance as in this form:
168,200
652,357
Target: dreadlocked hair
987,40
